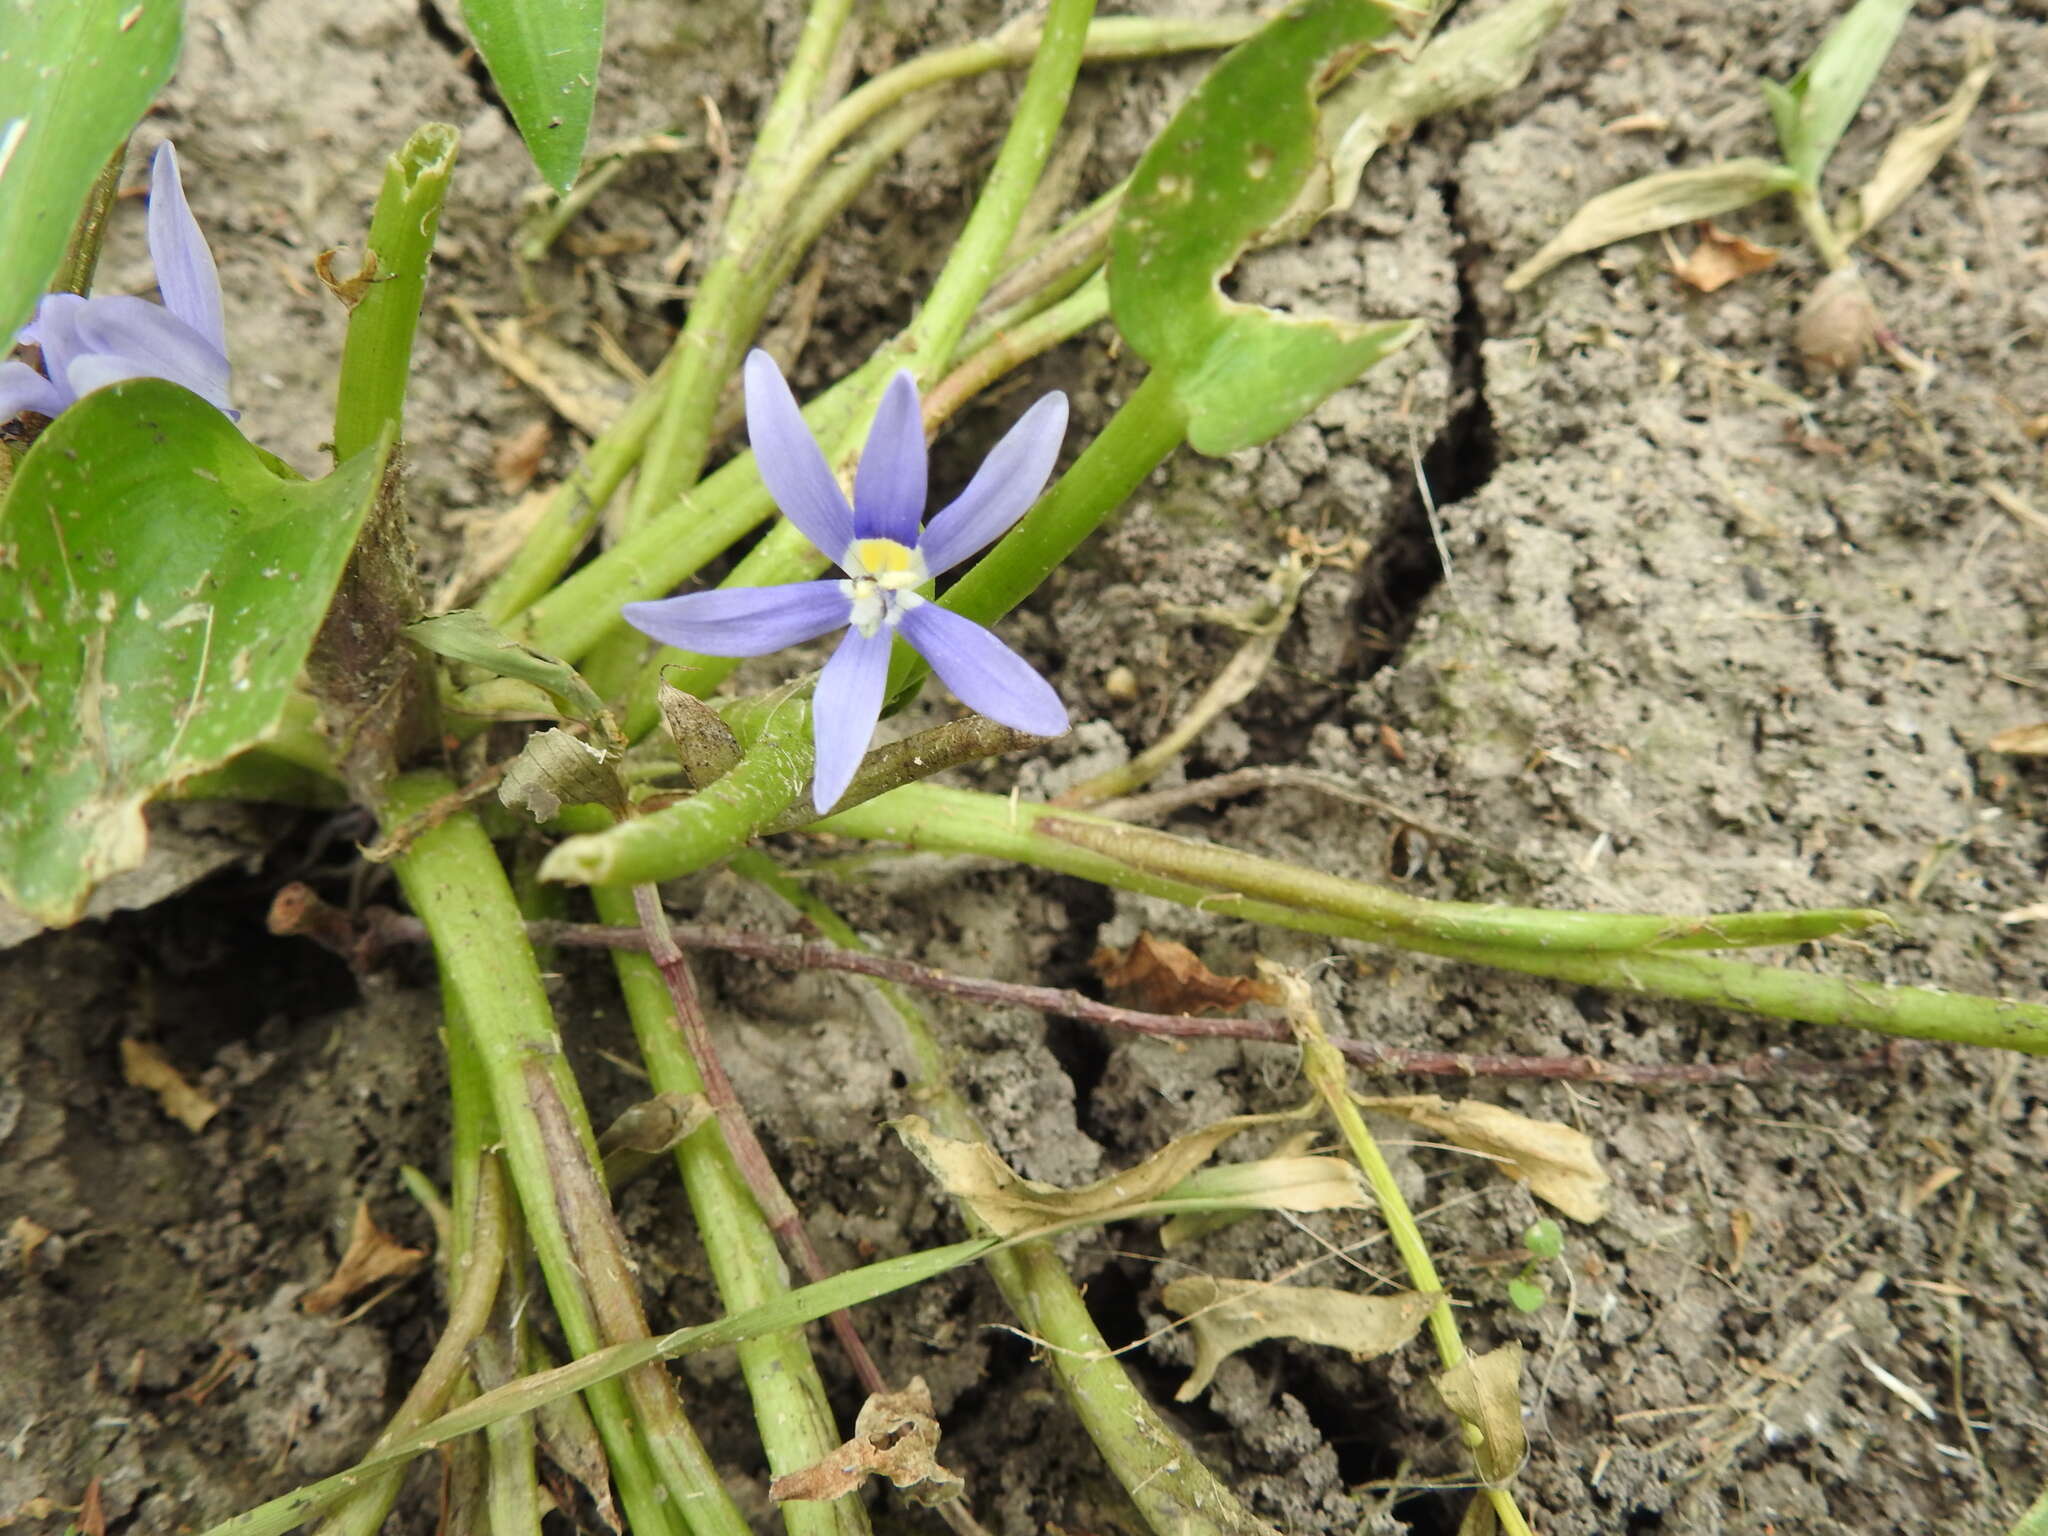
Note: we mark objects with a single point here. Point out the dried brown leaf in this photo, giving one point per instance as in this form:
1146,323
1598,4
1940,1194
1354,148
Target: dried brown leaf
1556,1162
1010,1204
897,1437
1161,976
1653,203
144,1066
515,460
92,1512
1917,148
373,1255
2022,740
1228,1315
1720,258
1486,1392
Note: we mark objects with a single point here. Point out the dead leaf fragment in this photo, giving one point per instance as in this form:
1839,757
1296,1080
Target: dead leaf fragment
1228,1315
1556,1162
1720,258
1161,976
144,1066
373,1255
1486,1392
1917,148
92,1512
31,1235
515,460
1011,1204
897,1437
2022,740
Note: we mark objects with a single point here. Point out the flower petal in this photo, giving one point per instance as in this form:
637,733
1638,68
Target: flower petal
55,330
185,273
23,389
984,674
1001,491
844,709
128,338
791,466
744,621
889,486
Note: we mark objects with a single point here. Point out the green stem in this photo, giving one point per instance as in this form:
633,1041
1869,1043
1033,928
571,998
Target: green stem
976,255
377,355
452,877
591,1373
790,1409
1820,229
1176,1493
730,296
1324,1067
82,253
925,816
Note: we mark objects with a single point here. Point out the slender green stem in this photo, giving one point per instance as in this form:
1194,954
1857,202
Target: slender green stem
1324,1068
960,821
1177,1494
377,354
977,254
82,253
790,1408
1820,229
591,1373
452,877
730,297
475,1275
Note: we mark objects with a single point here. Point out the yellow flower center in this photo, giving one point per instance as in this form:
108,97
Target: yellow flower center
883,557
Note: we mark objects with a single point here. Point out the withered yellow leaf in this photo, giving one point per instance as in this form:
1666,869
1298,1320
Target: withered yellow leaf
1486,1392
1164,977
373,1255
1228,1315
897,1437
144,1066
1556,1162
1011,1204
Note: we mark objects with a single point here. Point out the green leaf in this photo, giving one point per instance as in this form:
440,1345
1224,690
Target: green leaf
466,635
1228,166
544,54
1526,1295
165,586
75,77
1814,109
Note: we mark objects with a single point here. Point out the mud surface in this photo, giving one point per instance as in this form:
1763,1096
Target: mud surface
1689,633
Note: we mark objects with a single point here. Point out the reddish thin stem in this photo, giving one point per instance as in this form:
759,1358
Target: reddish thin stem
297,910
656,935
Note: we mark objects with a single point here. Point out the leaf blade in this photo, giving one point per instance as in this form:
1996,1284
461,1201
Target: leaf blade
76,79
173,586
544,56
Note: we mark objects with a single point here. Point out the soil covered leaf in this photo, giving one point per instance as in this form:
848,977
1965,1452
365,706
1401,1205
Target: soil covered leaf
171,585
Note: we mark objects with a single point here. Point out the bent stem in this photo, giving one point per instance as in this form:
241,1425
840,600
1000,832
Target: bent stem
1176,1493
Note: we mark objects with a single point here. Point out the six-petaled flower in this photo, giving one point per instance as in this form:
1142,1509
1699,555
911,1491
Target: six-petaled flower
91,342
877,542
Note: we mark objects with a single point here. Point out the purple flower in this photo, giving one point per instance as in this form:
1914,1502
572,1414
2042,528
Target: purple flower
88,343
886,557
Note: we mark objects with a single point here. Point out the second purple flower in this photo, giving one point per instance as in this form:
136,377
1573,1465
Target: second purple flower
886,556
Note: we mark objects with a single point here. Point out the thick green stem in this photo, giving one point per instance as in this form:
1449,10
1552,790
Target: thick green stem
1176,1493
729,299
960,821
790,1409
452,877
377,355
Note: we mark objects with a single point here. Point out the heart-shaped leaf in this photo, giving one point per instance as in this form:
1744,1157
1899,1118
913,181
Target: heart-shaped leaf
1228,167
164,587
